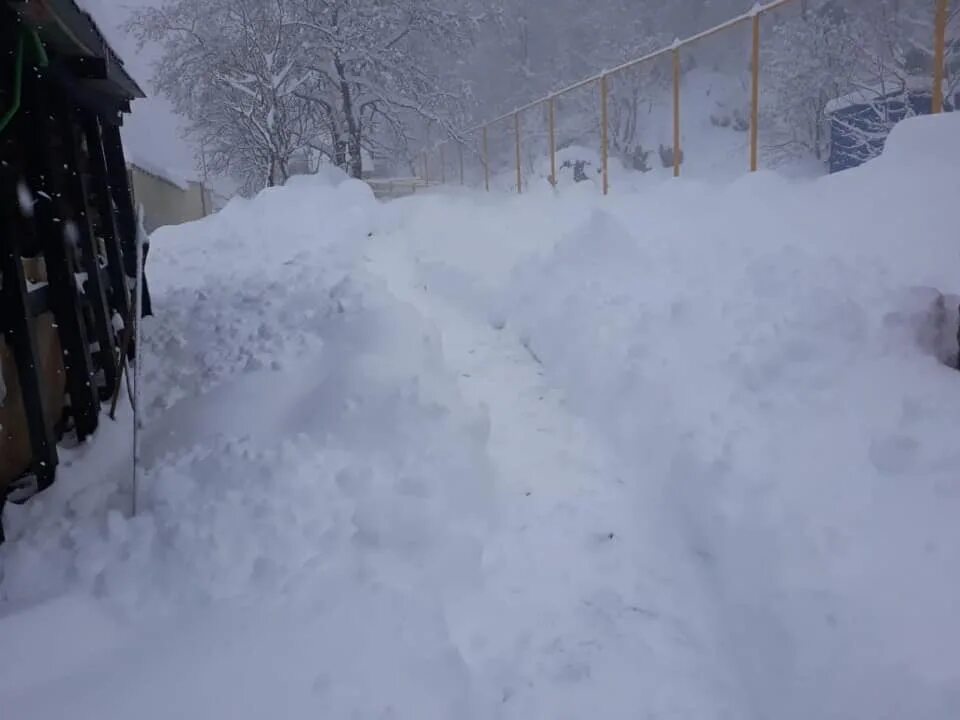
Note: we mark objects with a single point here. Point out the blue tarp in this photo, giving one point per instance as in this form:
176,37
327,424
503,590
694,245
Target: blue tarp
858,131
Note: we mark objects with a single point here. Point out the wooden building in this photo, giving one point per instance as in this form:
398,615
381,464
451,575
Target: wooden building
67,232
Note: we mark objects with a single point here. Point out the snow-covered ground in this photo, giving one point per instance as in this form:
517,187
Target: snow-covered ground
686,451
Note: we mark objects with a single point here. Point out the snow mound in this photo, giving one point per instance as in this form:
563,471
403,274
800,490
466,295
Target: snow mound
754,355
929,139
306,453
326,176
769,359
687,450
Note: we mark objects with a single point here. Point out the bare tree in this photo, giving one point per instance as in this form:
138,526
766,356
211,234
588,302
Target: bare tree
268,84
232,67
806,64
377,69
266,81
894,45
877,54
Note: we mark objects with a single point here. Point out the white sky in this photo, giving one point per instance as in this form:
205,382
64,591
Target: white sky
153,131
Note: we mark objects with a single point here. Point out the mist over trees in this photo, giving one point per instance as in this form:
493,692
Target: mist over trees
271,86
274,87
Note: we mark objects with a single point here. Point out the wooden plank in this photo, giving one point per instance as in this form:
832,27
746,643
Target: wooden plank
16,311
76,185
46,160
84,93
19,334
122,197
107,215
86,68
38,301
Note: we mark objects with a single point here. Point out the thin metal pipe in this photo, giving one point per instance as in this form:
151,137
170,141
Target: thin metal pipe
486,161
676,112
939,49
755,95
604,133
516,127
553,141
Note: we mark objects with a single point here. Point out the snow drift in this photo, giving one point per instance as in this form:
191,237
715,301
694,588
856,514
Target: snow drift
760,354
304,439
749,344
684,451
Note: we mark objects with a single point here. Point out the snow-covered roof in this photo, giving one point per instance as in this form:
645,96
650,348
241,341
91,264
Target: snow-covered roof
179,178
67,27
872,93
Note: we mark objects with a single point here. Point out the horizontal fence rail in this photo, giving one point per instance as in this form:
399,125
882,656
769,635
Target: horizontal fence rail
602,79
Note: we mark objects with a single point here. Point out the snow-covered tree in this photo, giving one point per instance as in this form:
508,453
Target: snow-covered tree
233,68
806,63
879,53
264,82
377,69
893,42
271,83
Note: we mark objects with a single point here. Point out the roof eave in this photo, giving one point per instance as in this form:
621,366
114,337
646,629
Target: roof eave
70,31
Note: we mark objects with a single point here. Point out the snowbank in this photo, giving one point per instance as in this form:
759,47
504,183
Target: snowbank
307,459
759,355
684,451
746,349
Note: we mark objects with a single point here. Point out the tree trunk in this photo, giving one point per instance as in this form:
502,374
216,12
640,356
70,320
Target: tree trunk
270,173
356,156
340,153
353,127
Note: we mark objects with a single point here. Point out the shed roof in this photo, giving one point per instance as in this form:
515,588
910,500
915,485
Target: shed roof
874,93
72,33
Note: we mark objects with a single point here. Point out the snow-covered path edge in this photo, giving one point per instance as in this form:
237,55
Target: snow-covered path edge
729,491
589,591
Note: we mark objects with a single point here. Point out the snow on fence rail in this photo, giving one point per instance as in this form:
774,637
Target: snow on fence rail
389,188
602,78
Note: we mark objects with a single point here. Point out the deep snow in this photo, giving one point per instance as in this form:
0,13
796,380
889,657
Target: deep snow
680,452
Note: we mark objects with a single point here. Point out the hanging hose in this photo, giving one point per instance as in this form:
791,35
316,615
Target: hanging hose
39,51
42,60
